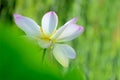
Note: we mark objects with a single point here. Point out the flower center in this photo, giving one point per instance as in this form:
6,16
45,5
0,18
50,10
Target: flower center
43,36
46,38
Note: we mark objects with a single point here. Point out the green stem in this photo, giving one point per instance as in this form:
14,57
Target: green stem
44,51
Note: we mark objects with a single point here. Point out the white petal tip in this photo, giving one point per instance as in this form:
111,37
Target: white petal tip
73,56
72,21
16,16
51,13
75,19
81,28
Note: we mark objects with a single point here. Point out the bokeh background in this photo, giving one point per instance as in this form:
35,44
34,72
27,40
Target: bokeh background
98,48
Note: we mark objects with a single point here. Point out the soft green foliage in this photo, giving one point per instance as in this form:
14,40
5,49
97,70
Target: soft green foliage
98,48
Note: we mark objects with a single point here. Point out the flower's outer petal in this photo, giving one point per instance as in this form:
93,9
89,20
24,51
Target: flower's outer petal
61,29
67,50
27,25
69,32
49,22
72,21
60,55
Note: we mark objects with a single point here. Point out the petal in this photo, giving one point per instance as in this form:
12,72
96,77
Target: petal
68,32
60,55
27,25
72,21
49,22
44,43
67,50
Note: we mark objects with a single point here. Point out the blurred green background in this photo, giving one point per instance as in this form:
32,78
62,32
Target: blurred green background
98,48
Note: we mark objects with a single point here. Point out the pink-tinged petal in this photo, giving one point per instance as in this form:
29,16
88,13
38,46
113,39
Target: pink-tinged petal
27,25
49,22
60,55
68,32
61,29
72,21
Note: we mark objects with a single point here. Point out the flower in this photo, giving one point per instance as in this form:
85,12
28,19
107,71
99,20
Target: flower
47,35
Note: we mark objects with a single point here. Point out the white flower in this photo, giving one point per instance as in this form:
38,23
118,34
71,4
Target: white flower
47,35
